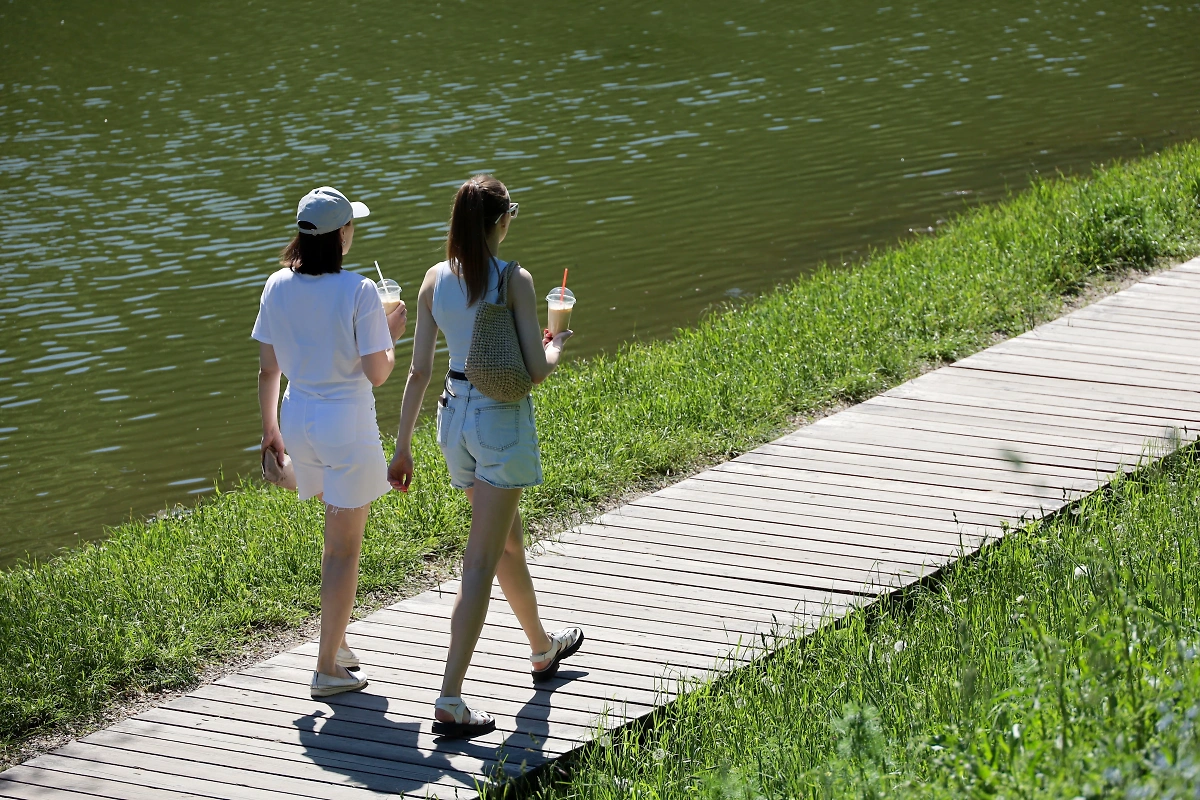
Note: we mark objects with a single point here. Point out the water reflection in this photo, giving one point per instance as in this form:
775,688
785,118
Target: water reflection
671,157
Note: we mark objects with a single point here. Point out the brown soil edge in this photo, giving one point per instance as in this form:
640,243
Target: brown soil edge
279,640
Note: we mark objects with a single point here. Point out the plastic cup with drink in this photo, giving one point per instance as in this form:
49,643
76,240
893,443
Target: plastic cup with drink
389,291
559,303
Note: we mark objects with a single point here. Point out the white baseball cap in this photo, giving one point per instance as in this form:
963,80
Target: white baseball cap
325,210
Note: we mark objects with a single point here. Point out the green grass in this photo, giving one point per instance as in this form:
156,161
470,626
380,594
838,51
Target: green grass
1062,662
152,604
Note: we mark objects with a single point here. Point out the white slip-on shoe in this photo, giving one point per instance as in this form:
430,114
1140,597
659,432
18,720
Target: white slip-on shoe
327,685
346,658
467,722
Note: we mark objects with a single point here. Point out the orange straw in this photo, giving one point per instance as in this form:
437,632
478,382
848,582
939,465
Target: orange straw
563,291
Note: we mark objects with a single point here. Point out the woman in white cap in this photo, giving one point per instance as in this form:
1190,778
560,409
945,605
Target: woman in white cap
326,330
491,448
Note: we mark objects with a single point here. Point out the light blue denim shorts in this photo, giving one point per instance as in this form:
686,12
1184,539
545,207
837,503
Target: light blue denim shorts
486,440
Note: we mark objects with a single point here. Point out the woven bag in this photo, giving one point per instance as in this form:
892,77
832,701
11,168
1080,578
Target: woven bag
495,365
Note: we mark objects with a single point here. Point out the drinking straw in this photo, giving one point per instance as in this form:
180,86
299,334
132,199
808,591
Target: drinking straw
377,269
563,291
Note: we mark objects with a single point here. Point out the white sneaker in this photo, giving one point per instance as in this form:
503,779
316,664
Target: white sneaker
326,685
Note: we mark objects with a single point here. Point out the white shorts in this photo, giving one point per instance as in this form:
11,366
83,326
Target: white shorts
335,448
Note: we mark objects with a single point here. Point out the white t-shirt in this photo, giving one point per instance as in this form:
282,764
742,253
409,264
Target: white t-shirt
320,327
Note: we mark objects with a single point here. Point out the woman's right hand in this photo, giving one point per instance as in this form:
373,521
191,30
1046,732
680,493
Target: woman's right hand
272,440
557,340
400,471
398,321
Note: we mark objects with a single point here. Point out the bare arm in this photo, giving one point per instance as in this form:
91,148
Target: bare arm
541,358
378,366
400,471
268,401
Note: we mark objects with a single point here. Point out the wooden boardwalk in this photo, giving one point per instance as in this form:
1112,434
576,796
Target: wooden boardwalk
814,524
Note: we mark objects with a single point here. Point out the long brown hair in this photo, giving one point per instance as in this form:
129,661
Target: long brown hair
477,208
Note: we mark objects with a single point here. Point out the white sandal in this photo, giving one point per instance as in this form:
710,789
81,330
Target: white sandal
467,721
563,645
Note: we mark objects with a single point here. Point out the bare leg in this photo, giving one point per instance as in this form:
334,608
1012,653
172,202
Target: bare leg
513,574
339,580
492,514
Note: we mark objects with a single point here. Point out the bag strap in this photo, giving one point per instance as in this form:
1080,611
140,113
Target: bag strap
502,289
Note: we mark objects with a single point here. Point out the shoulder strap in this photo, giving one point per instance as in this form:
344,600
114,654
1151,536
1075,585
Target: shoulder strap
502,289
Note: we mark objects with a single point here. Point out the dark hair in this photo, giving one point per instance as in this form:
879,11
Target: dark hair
477,208
313,253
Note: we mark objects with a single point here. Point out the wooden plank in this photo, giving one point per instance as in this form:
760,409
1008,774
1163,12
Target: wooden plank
1016,436
1010,424
1057,368
813,493
960,478
623,630
565,596
813,517
770,559
804,574
412,741
1014,425
309,752
967,386
1095,356
1109,324
1161,307
1138,317
986,442
138,782
803,479
1129,344
792,542
27,782
947,450
1168,400
332,778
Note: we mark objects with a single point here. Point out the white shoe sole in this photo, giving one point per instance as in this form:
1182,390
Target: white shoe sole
329,690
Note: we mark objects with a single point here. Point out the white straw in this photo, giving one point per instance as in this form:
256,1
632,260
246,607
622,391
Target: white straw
377,269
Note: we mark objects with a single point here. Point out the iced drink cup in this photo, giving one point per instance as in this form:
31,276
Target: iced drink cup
559,303
389,294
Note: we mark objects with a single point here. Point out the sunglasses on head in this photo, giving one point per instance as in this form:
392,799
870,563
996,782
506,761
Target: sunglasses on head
512,211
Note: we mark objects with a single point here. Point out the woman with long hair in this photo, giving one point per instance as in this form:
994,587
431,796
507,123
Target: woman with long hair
491,448
325,329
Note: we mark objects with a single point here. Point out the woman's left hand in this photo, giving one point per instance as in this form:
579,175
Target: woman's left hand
400,471
273,440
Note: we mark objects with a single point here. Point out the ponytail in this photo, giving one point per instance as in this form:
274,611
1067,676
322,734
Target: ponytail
477,207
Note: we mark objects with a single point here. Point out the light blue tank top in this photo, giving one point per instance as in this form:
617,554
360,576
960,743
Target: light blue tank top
453,316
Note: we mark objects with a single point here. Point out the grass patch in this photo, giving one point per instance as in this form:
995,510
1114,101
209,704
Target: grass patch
1063,661
149,606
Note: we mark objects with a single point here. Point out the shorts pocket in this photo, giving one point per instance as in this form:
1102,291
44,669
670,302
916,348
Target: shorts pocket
445,416
498,427
335,424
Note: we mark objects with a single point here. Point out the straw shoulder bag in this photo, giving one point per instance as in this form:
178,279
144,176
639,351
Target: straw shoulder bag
495,365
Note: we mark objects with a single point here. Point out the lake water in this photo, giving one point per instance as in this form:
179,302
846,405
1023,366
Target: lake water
672,155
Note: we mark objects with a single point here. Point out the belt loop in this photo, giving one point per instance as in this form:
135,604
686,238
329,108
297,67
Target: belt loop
446,386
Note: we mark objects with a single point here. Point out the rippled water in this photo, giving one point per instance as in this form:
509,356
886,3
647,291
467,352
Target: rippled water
672,155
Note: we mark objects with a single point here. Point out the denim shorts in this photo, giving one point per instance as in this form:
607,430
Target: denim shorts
487,440
335,448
